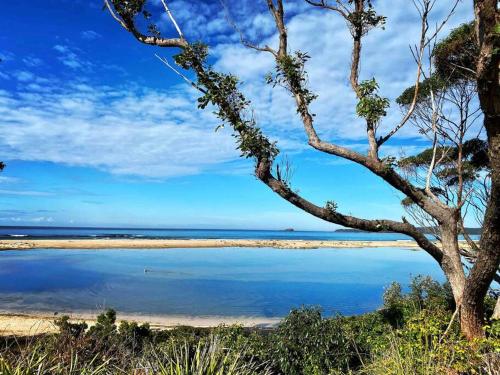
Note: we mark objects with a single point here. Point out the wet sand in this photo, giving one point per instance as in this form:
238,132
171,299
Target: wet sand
103,243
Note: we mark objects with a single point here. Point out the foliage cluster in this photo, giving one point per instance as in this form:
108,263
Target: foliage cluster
291,74
371,105
221,90
474,155
362,21
455,57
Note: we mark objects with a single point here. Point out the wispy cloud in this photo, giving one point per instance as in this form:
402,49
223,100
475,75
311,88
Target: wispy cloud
32,62
127,130
90,35
9,180
25,192
19,219
24,76
70,57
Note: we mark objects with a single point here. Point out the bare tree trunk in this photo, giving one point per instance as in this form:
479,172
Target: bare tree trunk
486,265
451,262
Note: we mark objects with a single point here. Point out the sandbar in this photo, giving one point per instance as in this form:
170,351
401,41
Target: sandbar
141,243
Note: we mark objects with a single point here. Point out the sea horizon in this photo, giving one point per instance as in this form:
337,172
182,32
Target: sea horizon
85,232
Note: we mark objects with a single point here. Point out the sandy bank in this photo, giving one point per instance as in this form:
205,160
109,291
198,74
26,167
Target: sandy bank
38,323
102,243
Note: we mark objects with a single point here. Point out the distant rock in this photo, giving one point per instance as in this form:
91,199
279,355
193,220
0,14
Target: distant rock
289,230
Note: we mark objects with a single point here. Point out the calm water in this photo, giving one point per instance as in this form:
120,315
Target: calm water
225,282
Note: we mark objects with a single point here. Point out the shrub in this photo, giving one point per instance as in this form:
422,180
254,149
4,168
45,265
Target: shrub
424,293
305,343
70,329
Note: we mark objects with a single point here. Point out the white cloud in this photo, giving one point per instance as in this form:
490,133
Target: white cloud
145,132
39,219
24,76
9,180
125,131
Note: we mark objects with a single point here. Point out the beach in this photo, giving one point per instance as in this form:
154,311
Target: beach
36,323
105,243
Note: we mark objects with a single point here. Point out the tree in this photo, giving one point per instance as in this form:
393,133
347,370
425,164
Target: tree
487,26
221,90
462,175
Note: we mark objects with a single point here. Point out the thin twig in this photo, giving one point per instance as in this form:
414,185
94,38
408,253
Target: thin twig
196,86
113,14
453,317
170,15
434,147
243,40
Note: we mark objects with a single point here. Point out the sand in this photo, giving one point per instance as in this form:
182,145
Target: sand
39,323
103,243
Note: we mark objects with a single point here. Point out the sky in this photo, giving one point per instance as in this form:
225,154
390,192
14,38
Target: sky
96,131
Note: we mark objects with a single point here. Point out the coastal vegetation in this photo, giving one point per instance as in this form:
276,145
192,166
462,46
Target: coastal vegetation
413,333
456,80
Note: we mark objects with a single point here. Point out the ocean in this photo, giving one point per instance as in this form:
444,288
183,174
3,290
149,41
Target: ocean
73,232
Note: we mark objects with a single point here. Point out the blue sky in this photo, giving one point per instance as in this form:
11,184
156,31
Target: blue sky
96,131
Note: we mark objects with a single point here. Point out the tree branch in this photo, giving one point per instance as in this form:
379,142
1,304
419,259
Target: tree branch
325,5
419,196
243,40
279,14
263,172
128,24
193,84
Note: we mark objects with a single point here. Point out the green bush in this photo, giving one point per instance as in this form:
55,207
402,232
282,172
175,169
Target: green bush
66,328
424,293
305,343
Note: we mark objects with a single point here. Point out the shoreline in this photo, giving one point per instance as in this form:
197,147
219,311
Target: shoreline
37,323
104,243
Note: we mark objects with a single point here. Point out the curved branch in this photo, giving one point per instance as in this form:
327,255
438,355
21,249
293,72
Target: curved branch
423,32
419,196
263,172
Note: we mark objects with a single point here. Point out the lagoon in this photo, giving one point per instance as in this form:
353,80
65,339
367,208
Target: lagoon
250,282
